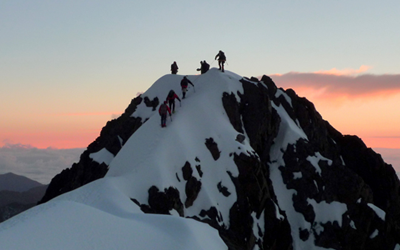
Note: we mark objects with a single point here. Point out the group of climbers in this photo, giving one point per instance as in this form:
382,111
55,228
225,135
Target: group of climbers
169,102
204,66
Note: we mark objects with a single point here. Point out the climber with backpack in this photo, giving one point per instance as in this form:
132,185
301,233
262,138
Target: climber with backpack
174,68
162,110
221,60
184,84
171,99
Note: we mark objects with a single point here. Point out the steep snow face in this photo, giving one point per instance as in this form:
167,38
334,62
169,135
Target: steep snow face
155,155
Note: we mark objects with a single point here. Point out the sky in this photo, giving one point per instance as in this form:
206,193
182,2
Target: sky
68,67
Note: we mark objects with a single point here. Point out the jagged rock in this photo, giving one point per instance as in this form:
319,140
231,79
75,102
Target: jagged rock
260,121
240,138
213,147
162,202
223,190
192,189
198,168
187,171
231,107
153,103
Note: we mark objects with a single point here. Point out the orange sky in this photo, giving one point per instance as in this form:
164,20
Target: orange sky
373,118
59,131
352,102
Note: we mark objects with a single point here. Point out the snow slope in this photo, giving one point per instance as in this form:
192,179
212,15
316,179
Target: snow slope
99,216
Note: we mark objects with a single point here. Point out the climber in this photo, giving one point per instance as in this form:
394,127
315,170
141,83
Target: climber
174,68
171,99
204,67
221,60
184,84
163,113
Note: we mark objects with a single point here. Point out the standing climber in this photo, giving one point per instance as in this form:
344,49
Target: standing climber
204,67
174,68
221,60
184,84
171,99
162,110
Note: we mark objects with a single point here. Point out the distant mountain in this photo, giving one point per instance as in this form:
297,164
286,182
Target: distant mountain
32,196
242,165
17,183
17,194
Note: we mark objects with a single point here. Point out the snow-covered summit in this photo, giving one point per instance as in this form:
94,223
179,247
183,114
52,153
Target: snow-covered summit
241,165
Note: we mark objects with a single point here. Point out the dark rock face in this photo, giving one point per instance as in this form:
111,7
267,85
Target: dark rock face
153,103
162,202
112,137
192,189
213,147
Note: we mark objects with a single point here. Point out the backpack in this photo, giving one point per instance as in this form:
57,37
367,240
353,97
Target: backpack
222,56
184,83
163,109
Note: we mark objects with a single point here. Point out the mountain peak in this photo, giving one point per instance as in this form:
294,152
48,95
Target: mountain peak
18,183
255,162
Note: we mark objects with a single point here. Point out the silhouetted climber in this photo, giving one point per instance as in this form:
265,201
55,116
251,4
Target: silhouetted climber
204,67
184,84
162,110
221,60
174,68
171,99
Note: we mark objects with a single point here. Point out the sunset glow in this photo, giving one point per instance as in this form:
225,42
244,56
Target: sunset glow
70,130
367,110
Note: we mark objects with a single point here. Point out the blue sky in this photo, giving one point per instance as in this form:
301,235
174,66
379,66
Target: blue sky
66,64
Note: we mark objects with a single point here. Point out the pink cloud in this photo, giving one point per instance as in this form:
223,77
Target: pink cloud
345,72
336,85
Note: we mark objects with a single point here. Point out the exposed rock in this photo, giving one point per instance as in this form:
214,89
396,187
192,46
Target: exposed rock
240,138
192,189
261,122
162,202
187,171
223,190
198,168
153,103
213,147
